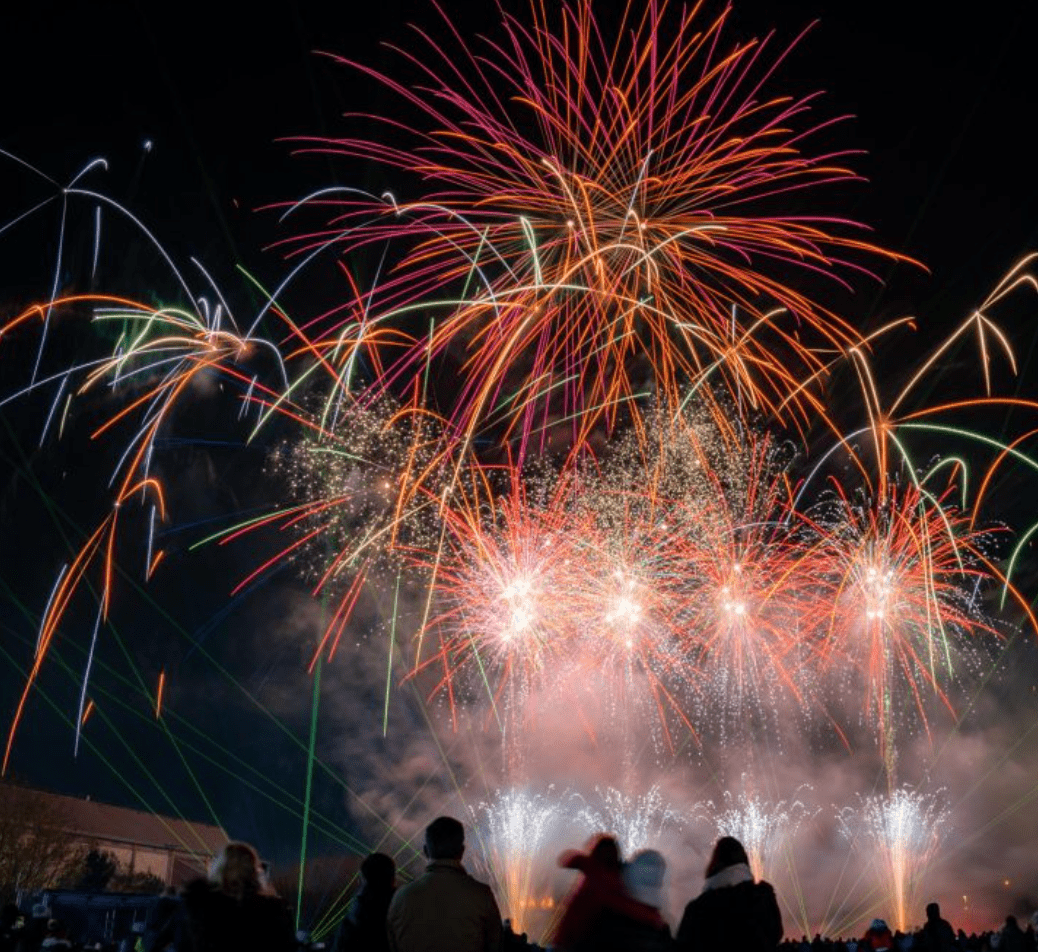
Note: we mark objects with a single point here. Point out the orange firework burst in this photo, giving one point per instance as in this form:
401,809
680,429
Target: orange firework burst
592,209
904,573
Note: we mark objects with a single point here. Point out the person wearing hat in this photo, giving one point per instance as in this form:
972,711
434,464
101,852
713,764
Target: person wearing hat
600,903
643,877
878,936
733,912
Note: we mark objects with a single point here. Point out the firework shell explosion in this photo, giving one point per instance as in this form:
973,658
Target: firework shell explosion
614,504
603,207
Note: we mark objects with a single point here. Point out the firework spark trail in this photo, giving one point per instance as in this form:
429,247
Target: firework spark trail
168,351
644,206
903,830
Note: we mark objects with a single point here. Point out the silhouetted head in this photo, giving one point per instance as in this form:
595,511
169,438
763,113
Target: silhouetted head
933,911
728,851
444,839
1011,922
643,877
236,871
378,872
606,852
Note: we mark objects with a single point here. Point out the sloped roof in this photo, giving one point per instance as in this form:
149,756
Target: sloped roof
105,821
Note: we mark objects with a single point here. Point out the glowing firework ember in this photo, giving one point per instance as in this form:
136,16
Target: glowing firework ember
903,831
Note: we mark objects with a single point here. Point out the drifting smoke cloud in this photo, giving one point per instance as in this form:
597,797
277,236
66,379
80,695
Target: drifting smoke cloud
407,762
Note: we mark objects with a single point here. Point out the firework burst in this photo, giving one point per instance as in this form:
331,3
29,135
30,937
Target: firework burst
592,206
902,610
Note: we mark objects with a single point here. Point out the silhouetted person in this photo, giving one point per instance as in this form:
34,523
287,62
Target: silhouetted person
878,936
233,909
643,877
1013,939
363,928
56,938
9,927
587,917
937,935
445,909
732,913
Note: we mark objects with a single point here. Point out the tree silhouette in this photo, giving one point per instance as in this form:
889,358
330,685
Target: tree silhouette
98,869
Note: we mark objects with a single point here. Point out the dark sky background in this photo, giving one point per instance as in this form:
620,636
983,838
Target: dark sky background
944,108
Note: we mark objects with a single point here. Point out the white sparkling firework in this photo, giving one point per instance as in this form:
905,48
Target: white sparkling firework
515,831
637,822
763,827
903,830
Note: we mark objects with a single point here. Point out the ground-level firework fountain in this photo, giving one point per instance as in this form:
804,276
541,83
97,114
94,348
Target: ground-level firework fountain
763,827
902,832
516,832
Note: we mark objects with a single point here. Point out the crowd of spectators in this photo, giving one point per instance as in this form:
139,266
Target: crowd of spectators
937,935
614,907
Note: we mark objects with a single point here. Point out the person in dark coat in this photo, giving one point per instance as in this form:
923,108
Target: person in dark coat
733,912
1013,939
233,909
937,935
363,928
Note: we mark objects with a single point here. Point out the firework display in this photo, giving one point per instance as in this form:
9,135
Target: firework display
637,822
591,443
763,828
902,832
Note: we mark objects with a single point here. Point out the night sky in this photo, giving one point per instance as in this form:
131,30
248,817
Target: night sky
191,104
